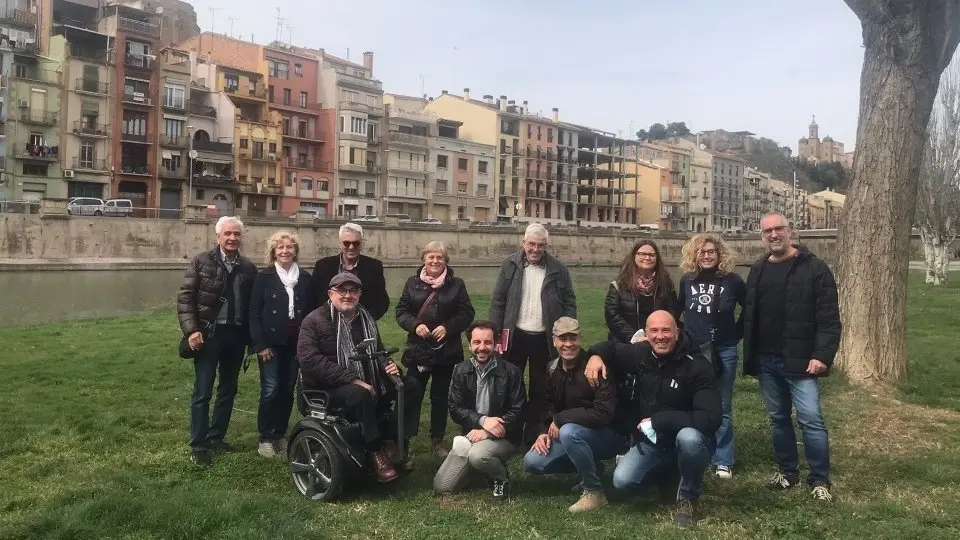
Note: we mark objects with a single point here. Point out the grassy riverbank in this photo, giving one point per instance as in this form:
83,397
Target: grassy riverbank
93,445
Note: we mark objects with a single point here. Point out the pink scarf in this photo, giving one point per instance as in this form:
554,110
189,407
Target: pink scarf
434,282
645,285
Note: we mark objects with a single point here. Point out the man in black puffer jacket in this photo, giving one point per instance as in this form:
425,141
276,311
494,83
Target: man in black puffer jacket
670,403
791,332
212,307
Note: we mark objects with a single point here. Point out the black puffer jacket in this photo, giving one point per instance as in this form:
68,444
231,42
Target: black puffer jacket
626,312
811,326
675,391
198,301
317,350
571,399
507,398
450,308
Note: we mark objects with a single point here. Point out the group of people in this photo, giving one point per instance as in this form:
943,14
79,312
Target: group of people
656,395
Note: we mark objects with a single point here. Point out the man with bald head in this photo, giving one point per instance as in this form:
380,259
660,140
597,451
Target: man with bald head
670,402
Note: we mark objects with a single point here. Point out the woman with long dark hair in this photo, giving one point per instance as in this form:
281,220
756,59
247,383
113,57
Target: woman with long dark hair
642,287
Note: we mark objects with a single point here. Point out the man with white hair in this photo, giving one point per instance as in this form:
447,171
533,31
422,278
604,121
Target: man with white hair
370,271
533,290
212,308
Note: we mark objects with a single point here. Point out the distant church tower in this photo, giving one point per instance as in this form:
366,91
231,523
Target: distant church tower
814,129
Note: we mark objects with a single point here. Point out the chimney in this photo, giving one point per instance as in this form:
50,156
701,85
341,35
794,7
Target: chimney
368,61
466,94
556,114
444,92
503,103
511,102
488,99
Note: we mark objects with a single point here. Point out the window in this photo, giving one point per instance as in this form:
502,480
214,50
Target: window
461,212
231,82
371,190
258,148
302,129
306,184
244,143
461,187
171,163
298,70
136,90
270,93
86,154
303,100
273,148
442,162
273,203
173,128
482,167
174,96
323,185
462,164
358,126
134,123
285,123
539,133
278,69
286,96
481,190
33,169
549,134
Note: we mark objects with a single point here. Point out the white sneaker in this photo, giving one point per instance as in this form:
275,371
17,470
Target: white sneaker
266,450
724,472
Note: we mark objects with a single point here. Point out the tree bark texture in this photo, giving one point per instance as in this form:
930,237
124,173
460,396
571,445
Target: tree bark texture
907,46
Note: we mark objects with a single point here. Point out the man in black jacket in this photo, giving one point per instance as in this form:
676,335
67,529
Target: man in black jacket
212,308
670,404
368,269
791,327
580,416
486,399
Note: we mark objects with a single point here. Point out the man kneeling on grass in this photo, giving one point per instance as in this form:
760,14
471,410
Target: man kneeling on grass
486,399
580,417
674,403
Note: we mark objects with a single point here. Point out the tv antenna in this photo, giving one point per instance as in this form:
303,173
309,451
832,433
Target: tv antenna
290,34
213,17
279,36
231,19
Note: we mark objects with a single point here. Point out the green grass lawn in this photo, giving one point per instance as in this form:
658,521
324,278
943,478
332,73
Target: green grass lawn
93,444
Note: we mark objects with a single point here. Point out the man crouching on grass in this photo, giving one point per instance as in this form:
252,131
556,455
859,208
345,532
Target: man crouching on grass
580,417
673,401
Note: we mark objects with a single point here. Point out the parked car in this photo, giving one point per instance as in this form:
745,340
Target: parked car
431,221
85,206
402,218
118,207
368,218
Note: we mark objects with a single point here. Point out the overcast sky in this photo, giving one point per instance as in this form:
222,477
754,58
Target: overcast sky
760,65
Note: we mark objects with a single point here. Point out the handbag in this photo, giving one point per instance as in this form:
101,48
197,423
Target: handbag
421,353
185,351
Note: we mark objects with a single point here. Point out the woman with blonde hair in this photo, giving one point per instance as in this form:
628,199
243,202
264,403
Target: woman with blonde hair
434,309
282,296
710,290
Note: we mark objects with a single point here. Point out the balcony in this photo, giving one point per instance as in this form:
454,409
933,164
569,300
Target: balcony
86,129
34,152
90,55
197,109
138,61
29,73
20,47
246,153
292,162
261,188
368,168
213,180
134,137
139,27
303,135
375,110
135,170
21,17
409,166
215,147
137,98
178,173
407,138
259,92
91,86
353,80
39,118
179,141
176,105
91,165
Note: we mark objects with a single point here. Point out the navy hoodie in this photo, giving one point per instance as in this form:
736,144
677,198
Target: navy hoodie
709,301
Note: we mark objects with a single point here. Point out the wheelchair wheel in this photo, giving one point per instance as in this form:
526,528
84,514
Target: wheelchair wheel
316,467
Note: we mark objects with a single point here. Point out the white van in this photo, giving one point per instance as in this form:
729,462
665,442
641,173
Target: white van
85,206
118,207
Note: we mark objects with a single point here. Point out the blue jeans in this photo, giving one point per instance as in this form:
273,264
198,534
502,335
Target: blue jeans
277,379
780,391
224,352
578,450
690,456
724,452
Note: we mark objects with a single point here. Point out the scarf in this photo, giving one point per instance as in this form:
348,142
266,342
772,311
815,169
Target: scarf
433,282
347,349
289,279
645,285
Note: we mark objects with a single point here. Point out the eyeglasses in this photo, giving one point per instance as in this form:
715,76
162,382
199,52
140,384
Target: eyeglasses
346,292
709,252
645,255
348,245
778,229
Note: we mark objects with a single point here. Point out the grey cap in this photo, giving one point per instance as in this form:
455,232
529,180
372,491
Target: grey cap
566,325
345,277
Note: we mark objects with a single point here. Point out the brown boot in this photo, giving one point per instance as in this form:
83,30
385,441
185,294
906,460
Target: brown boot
402,462
381,466
436,446
590,500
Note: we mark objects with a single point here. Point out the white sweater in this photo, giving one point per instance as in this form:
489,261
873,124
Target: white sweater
531,309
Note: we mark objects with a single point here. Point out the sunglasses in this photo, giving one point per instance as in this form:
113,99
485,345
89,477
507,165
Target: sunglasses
348,244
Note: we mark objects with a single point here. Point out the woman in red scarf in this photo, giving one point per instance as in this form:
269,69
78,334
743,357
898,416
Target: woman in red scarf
642,287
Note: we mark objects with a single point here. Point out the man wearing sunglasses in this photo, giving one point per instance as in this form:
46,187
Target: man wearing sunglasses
369,270
791,332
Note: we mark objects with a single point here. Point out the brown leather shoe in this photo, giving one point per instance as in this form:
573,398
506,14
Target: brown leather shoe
381,466
436,446
401,462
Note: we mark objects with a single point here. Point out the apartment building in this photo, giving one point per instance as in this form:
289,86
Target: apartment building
31,112
799,215
674,195
174,128
464,188
700,188
538,142
241,74
211,177
651,178
411,135
825,209
727,192
602,179
757,199
568,143
293,92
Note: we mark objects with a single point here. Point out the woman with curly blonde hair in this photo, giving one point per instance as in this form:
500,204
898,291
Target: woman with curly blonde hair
709,292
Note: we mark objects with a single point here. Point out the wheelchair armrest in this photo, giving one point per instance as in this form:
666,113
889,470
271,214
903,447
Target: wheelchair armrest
316,399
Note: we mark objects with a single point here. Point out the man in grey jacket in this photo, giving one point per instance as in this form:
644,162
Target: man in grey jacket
533,290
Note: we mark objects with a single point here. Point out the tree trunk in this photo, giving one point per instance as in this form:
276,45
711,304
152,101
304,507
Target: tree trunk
906,49
928,256
941,261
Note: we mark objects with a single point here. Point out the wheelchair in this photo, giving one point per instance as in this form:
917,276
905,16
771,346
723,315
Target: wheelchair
325,448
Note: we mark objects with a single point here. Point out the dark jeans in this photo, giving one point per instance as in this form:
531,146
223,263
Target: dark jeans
224,352
690,456
277,378
578,450
439,394
779,392
378,420
535,349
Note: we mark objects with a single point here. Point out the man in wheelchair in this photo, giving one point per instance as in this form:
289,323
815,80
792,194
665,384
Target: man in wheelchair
327,349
